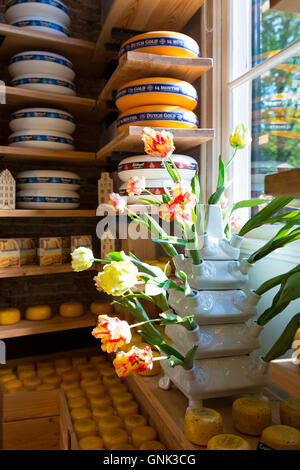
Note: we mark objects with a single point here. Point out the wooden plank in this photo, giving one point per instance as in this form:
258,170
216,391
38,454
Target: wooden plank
166,409
32,434
286,376
83,109
56,323
37,404
143,15
21,39
47,213
285,183
130,140
21,154
292,6
140,65
25,271
68,440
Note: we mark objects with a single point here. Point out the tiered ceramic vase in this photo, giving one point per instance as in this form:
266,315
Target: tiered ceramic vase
227,361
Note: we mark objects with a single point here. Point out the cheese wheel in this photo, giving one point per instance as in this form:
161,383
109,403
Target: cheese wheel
228,442
44,372
122,398
251,415
162,43
97,359
6,378
32,383
71,375
95,391
201,424
142,434
105,411
83,366
156,90
89,373
16,390
38,312
71,309
134,421
114,437
280,437
102,365
80,413
69,385
115,389
52,380
26,366
90,443
26,374
111,380
9,316
123,446
126,409
107,371
290,412
86,383
62,370
79,360
158,116
13,384
101,307
45,365
46,387
97,410
77,402
152,445
84,427
5,370
63,362
74,393
100,401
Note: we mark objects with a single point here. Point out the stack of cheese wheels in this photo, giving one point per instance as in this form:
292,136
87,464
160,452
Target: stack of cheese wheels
42,71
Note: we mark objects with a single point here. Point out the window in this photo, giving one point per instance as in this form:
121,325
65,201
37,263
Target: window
261,88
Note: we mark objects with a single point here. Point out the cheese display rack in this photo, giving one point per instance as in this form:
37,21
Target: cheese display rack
47,213
31,270
140,65
16,40
130,140
142,16
285,183
24,154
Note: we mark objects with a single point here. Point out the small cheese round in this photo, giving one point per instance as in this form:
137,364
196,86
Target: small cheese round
134,421
80,413
74,393
281,437
16,390
7,378
104,411
61,370
90,443
69,385
85,427
13,384
201,424
5,370
77,402
83,366
116,389
25,366
45,365
95,391
71,375
63,362
52,380
86,383
108,371
142,434
44,372
115,437
251,415
97,410
228,442
152,445
111,380
89,373
100,401
102,365
38,312
122,397
32,383
290,412
46,387
9,316
126,409
26,374
123,446
109,423
97,359
71,310
79,360
101,307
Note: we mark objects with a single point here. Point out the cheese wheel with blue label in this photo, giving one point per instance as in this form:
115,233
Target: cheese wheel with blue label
167,43
158,116
156,90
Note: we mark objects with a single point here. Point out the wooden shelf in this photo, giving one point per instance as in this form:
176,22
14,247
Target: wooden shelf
47,213
291,6
166,410
25,271
83,109
286,375
144,15
285,183
17,40
25,154
56,323
140,65
130,140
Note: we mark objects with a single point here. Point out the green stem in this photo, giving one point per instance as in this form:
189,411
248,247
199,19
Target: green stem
144,323
230,161
152,195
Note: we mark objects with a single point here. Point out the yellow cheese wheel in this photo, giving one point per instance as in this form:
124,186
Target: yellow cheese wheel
52,380
86,383
108,370
6,378
45,365
290,412
79,360
63,362
134,421
126,409
114,437
158,116
13,384
38,312
16,390
105,411
123,446
201,424
44,372
142,434
167,43
26,374
110,380
46,387
74,393
280,437
122,398
71,375
95,391
69,385
26,366
80,413
9,316
90,443
251,415
85,427
114,389
97,359
101,307
71,309
102,365
62,369
152,445
5,370
156,90
77,402
89,373
100,401
228,442
97,410
32,383
83,366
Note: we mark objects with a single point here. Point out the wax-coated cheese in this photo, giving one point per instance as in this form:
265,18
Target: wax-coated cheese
134,421
280,437
290,412
201,424
101,307
156,90
80,413
251,415
228,442
126,409
152,445
142,434
109,423
167,43
84,427
71,309
38,312
158,116
9,316
91,443
117,436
